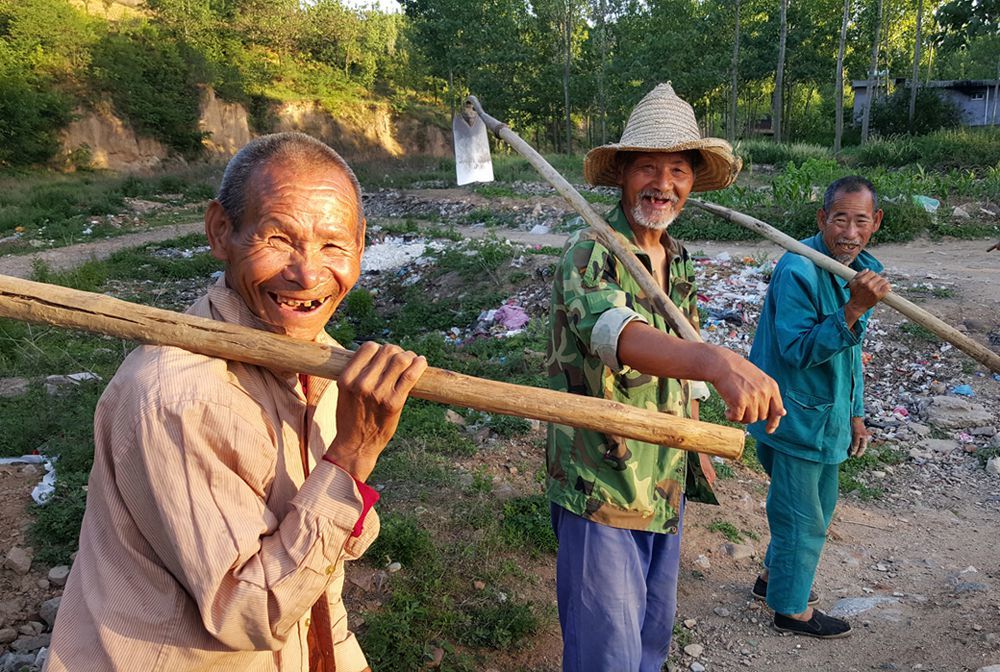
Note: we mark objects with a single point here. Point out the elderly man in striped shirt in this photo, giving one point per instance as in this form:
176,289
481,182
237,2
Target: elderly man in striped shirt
225,497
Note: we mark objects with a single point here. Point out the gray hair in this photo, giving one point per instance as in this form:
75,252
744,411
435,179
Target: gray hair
849,185
296,148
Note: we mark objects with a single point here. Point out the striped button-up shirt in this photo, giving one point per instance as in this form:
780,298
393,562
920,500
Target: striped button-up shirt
204,543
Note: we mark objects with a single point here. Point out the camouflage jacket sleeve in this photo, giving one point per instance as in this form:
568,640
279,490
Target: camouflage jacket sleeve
590,288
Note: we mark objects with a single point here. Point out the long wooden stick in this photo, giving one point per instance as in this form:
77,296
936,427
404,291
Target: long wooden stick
977,351
63,307
610,238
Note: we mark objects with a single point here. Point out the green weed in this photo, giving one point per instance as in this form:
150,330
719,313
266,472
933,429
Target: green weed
526,524
852,468
731,532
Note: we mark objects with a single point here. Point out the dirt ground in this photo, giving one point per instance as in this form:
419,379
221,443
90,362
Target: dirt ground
927,549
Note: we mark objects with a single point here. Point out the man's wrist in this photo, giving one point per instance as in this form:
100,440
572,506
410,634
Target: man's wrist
357,465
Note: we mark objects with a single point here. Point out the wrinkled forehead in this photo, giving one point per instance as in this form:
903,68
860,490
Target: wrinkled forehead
852,200
630,158
326,191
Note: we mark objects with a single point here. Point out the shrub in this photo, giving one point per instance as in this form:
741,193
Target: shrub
890,115
779,153
944,149
151,79
31,113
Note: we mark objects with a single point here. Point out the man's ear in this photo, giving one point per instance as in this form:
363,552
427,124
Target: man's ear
820,219
218,229
361,236
877,220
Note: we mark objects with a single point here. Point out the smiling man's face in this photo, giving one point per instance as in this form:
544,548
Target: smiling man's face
849,224
655,186
297,252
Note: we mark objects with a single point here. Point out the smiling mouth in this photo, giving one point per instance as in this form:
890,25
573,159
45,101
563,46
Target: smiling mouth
297,305
659,201
848,245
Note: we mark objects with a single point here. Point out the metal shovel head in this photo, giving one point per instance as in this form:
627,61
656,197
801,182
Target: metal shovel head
472,150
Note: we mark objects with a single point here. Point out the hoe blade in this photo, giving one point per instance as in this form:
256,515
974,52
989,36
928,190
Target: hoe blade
472,149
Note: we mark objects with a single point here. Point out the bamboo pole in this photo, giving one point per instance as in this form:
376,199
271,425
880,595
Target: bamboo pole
62,307
610,238
977,351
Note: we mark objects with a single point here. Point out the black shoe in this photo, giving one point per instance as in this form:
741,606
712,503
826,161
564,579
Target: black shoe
760,592
820,625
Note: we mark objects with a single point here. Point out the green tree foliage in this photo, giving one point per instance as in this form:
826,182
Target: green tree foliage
32,111
150,77
890,115
566,73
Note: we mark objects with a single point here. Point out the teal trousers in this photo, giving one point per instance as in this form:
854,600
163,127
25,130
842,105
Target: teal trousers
800,503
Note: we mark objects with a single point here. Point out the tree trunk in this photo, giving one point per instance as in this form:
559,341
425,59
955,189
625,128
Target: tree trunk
839,85
779,77
914,83
731,126
567,54
872,78
602,102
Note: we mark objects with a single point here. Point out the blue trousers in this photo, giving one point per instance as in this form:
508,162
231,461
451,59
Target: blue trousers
617,593
800,503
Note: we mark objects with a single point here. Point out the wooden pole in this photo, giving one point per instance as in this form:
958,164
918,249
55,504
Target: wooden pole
610,238
977,351
62,307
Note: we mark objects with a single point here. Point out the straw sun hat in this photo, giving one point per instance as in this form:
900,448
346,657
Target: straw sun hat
662,122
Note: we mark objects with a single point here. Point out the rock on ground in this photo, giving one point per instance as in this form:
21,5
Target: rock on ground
956,413
18,560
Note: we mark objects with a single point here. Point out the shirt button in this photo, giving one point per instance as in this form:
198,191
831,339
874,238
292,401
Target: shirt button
329,570
308,622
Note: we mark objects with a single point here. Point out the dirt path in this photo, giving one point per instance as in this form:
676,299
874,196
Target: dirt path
65,258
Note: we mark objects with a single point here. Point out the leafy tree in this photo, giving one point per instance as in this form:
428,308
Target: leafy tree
150,78
32,111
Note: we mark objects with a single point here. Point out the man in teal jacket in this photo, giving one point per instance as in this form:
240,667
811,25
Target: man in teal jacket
809,340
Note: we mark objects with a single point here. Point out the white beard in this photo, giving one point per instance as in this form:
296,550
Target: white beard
661,224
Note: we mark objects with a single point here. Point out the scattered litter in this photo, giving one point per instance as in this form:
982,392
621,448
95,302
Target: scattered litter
963,390
927,203
393,253
42,492
540,230
513,318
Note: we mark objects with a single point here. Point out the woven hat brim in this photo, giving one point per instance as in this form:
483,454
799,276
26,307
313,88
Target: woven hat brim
719,166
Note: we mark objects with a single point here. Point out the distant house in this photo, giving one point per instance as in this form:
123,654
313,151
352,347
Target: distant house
976,99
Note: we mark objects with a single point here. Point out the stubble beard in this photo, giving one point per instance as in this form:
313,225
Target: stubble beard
658,224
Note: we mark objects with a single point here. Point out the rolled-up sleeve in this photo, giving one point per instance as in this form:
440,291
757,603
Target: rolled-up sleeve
590,290
607,330
196,484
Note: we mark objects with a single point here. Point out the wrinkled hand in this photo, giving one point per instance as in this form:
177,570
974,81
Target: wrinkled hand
749,393
867,288
860,436
372,391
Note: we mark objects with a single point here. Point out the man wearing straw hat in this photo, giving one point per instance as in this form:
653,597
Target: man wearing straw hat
225,497
617,505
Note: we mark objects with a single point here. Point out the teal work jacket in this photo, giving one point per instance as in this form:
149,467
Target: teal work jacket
804,343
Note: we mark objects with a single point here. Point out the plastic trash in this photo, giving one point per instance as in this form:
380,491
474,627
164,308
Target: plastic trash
963,390
927,203
511,317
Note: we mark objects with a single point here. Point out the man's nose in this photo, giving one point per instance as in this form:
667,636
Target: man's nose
306,269
664,181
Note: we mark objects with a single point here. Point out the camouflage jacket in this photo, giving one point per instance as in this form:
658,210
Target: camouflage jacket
618,482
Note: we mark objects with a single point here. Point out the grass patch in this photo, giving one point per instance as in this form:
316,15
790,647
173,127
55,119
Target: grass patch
55,210
526,524
731,532
851,471
918,332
